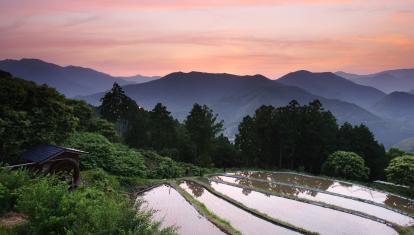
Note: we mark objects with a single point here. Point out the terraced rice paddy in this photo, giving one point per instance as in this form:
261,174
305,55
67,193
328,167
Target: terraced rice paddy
240,219
173,210
317,196
311,217
278,203
337,187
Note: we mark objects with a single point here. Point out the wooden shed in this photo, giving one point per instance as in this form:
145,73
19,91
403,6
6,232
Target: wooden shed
46,158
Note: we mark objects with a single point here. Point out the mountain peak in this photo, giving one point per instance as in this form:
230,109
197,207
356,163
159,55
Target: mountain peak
386,81
204,75
305,74
401,95
332,86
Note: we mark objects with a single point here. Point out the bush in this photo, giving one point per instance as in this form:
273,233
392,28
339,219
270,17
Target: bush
105,128
126,162
114,158
99,148
168,169
165,167
347,165
52,209
401,170
4,199
100,179
10,182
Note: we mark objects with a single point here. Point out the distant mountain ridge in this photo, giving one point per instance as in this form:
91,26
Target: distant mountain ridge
140,78
397,106
386,81
69,80
234,97
330,85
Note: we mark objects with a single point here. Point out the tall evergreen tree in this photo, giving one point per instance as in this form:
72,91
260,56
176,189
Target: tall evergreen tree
246,141
203,126
163,128
113,103
118,108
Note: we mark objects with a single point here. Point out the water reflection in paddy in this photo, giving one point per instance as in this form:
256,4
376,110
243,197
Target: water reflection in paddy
173,210
311,217
367,208
240,219
346,189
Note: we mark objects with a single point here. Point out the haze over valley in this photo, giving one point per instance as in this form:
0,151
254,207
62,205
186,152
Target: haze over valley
390,116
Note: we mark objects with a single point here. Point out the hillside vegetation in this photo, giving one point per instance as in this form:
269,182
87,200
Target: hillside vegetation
130,147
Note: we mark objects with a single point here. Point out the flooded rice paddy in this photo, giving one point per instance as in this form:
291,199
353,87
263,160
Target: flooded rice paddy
173,210
299,200
308,216
240,219
342,188
317,196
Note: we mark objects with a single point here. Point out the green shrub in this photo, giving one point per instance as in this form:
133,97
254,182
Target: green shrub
347,165
100,179
168,169
401,170
99,148
41,201
10,182
126,162
51,209
164,167
4,199
105,128
121,160
115,158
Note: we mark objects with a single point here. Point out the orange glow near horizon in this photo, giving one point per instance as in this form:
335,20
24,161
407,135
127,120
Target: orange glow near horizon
156,37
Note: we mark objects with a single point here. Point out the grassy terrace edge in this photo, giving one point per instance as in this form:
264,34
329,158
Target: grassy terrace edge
221,223
253,211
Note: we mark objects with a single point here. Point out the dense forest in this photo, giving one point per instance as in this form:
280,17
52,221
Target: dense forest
128,145
290,137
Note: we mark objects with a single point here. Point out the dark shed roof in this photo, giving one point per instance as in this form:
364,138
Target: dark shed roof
44,152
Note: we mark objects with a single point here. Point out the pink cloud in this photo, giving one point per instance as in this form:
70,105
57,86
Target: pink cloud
235,36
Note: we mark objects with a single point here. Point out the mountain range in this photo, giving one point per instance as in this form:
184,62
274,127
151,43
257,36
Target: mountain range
234,97
70,80
396,106
332,86
389,116
386,81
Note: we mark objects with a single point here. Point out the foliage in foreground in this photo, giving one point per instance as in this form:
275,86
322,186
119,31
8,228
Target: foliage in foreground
401,170
50,208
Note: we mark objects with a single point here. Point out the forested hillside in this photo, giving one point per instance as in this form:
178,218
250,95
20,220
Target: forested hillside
233,97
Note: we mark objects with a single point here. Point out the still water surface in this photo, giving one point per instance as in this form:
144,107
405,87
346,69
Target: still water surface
174,210
238,218
312,195
308,216
343,188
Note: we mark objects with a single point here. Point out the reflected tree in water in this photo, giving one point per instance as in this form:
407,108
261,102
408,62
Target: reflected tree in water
197,189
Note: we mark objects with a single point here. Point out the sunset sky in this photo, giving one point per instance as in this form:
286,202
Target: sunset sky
155,37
